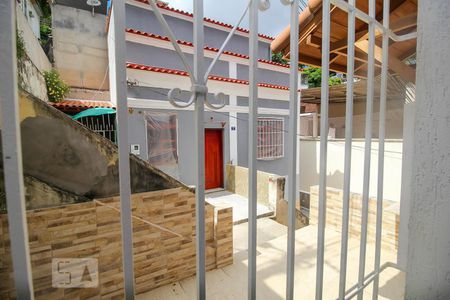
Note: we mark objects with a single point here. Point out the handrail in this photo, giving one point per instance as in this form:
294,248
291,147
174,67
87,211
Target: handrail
159,227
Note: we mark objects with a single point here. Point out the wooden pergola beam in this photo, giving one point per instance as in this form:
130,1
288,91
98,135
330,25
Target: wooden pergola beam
362,57
309,28
314,41
307,60
395,64
408,53
333,57
400,24
397,25
342,44
405,22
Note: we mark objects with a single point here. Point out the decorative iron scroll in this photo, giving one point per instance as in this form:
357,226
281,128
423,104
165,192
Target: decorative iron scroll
199,84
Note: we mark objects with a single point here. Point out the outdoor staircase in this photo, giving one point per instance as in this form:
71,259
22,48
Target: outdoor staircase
71,162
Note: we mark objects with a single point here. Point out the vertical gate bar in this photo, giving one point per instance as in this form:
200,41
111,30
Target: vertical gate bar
382,133
252,167
367,149
348,148
120,92
292,175
12,153
200,149
323,146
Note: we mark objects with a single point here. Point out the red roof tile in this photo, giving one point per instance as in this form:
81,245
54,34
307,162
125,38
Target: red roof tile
181,12
211,77
85,104
185,43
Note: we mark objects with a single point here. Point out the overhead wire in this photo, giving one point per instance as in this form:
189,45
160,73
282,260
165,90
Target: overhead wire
155,90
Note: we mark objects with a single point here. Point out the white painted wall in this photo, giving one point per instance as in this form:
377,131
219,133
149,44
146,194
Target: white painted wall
428,265
310,163
170,81
32,46
80,47
394,119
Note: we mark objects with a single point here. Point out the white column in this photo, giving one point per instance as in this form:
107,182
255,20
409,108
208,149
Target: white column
233,118
119,93
428,265
348,151
12,153
407,162
252,143
298,143
200,93
292,143
315,124
367,151
324,126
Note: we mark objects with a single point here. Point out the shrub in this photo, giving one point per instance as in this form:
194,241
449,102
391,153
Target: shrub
56,88
46,21
46,31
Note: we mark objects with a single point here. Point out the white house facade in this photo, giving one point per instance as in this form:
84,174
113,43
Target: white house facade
162,134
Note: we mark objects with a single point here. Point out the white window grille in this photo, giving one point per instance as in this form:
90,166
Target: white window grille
270,138
105,125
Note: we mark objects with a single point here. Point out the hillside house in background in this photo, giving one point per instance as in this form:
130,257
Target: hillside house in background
80,57
163,135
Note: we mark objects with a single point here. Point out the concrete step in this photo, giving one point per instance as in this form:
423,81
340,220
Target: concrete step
239,203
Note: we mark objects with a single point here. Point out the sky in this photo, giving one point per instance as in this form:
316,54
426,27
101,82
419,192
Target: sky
271,21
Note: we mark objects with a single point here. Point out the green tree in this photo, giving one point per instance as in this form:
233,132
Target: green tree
334,80
315,77
278,58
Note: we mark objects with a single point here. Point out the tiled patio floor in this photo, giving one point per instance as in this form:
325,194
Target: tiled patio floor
239,204
231,282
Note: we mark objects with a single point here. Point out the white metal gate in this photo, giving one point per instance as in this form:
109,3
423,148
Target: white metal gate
198,74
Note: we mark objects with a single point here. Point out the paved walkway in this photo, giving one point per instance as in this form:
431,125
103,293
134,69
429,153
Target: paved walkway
239,204
231,282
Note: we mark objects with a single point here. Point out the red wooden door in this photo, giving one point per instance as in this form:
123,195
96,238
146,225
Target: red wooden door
213,159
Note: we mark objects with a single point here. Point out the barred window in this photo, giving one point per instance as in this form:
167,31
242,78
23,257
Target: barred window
270,138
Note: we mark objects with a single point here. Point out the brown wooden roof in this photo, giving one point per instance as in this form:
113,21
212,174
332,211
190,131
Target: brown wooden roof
403,19
337,94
